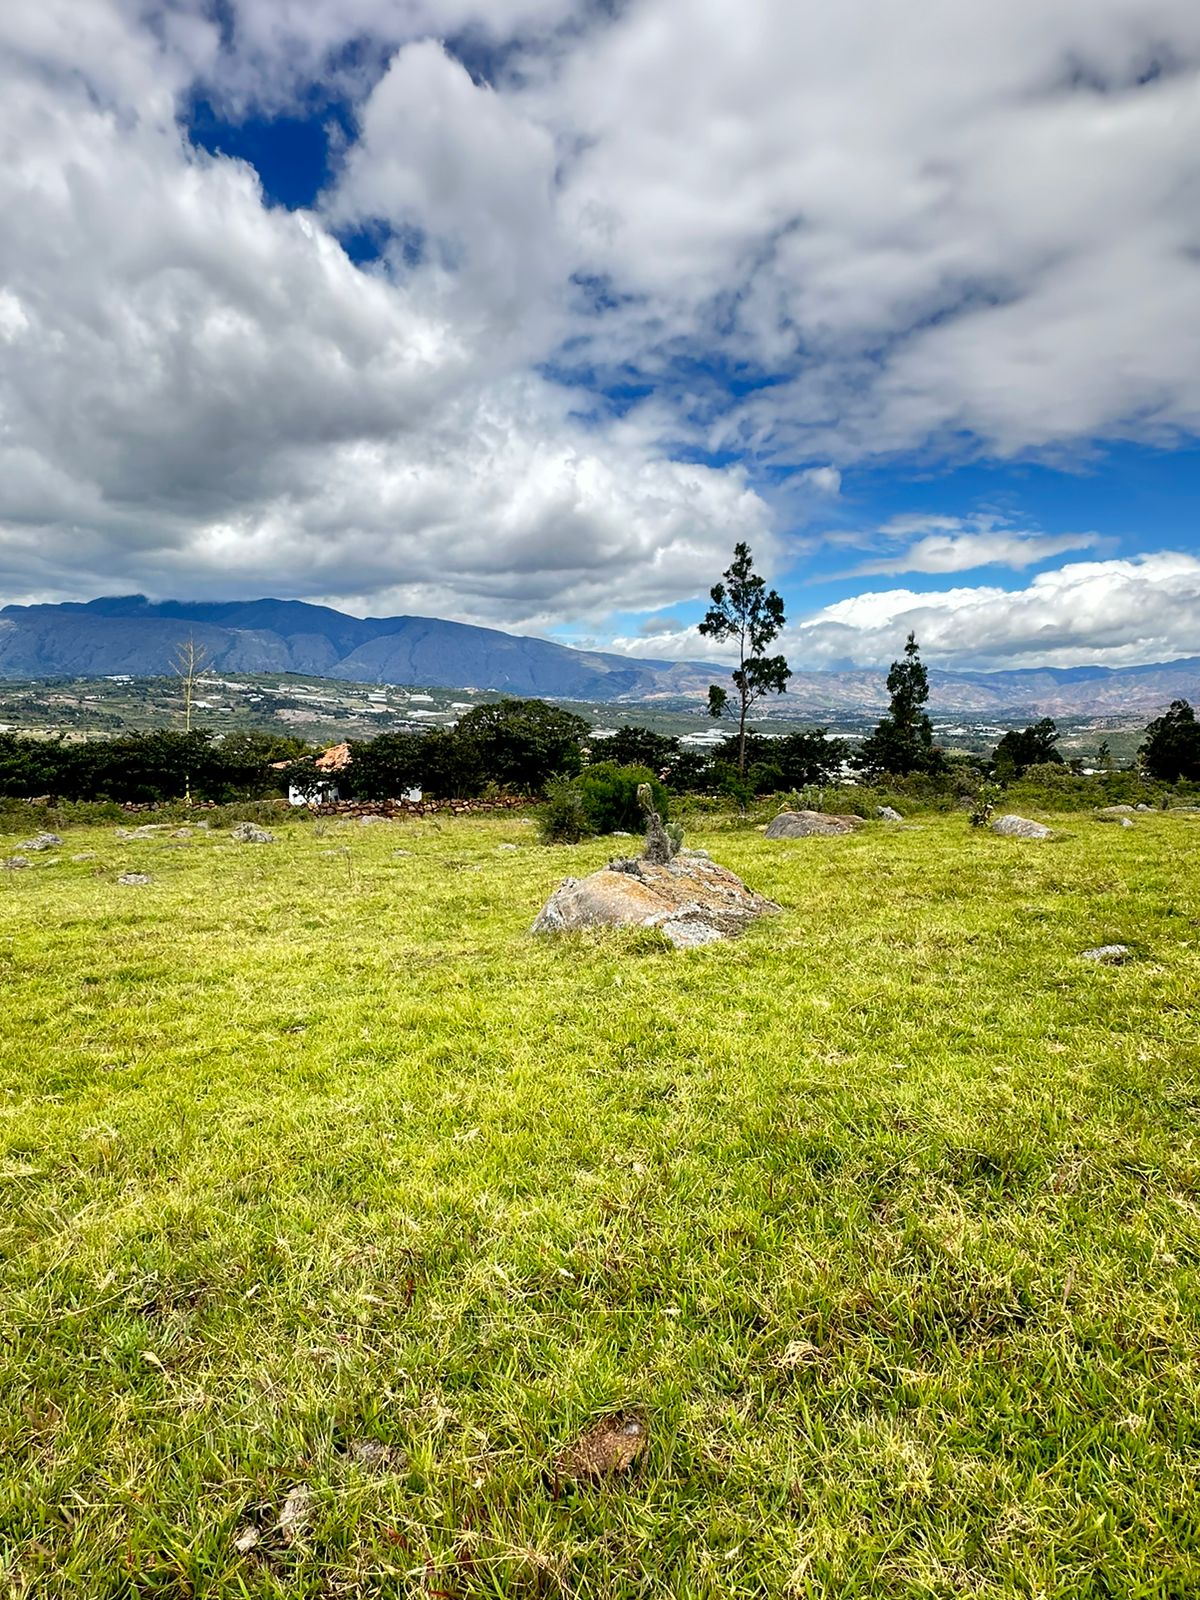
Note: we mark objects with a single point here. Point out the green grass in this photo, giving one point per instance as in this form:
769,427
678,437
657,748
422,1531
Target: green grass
885,1217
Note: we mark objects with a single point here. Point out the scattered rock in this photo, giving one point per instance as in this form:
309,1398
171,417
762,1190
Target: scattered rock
369,821
15,864
250,833
1118,821
370,1453
409,852
1109,955
246,1540
888,814
1114,811
85,855
697,855
182,833
146,831
691,899
610,1446
341,851
135,880
508,847
805,824
1142,806
297,1509
1013,827
40,841
621,833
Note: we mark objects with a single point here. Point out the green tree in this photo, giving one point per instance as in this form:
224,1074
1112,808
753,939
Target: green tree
1029,747
903,739
1172,746
522,744
745,611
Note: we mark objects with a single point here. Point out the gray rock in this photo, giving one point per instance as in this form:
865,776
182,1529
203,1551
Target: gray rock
1013,827
85,855
508,847
1142,806
15,864
40,841
806,824
1114,811
693,901
888,814
135,880
146,831
1119,821
367,822
250,833
1108,955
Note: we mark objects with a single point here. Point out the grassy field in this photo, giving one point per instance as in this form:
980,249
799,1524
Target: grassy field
333,1199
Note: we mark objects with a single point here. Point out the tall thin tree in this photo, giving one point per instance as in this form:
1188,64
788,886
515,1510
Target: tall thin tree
745,611
188,663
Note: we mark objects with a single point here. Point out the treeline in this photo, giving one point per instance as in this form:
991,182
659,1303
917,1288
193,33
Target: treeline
143,768
523,746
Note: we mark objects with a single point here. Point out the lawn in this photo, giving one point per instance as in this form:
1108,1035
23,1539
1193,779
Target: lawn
335,1207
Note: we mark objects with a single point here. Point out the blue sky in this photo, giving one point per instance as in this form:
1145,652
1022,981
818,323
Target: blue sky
523,313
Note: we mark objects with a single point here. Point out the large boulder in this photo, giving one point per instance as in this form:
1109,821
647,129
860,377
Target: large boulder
691,899
1014,827
803,824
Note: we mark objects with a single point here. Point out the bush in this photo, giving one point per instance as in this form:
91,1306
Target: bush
609,796
602,799
563,819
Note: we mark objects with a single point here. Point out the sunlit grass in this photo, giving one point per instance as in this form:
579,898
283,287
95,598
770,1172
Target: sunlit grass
319,1172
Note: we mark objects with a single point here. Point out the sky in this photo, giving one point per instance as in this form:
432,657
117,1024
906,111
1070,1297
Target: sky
524,312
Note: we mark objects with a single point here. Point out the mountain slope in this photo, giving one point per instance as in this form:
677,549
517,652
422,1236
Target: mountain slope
129,634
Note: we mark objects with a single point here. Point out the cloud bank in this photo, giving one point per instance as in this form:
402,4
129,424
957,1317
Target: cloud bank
803,238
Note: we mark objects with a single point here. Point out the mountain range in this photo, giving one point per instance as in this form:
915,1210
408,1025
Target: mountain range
129,634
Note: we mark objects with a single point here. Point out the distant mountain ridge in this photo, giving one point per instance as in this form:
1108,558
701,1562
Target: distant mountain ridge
130,634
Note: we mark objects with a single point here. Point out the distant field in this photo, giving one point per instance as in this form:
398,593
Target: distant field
327,709
329,1194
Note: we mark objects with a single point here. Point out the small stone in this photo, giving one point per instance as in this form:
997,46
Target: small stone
1142,806
85,855
610,1446
40,841
1013,827
888,814
250,833
15,864
135,880
367,822
297,1509
1108,955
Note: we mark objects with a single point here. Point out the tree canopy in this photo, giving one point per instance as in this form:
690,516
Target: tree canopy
902,742
745,611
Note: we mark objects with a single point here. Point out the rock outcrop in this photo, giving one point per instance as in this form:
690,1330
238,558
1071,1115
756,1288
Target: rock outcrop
805,824
691,899
1014,827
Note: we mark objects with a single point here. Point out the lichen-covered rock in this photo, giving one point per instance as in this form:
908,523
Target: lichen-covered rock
14,864
1014,827
888,814
1108,955
249,833
691,900
135,880
806,824
40,841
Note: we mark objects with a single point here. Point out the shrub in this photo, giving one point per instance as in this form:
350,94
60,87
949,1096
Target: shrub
563,819
602,799
609,796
